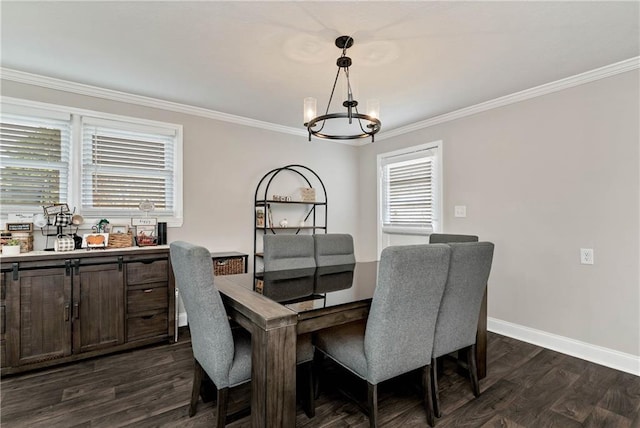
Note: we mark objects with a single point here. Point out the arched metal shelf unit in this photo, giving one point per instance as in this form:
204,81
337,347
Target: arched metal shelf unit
315,221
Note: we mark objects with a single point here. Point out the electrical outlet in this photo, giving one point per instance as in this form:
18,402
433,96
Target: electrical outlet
460,211
586,256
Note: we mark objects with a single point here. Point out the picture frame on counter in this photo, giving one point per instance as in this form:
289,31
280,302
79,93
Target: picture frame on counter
144,221
119,228
54,209
19,227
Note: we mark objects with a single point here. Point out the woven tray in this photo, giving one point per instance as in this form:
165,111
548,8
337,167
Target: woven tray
120,240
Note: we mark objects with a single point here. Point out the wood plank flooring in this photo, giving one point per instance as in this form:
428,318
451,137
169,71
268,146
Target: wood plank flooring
526,386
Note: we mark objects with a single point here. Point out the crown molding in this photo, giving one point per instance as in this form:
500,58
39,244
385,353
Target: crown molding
109,94
93,91
537,91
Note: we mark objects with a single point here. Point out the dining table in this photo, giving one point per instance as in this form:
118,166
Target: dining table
276,307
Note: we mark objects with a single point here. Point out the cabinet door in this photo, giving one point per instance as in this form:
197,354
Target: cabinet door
38,322
98,307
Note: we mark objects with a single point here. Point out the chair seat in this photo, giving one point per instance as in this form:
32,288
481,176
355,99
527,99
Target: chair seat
241,366
345,345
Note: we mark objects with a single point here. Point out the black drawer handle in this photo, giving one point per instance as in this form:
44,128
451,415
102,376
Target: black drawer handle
147,317
222,262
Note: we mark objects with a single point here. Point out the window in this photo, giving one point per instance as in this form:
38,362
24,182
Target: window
410,190
122,167
101,165
34,160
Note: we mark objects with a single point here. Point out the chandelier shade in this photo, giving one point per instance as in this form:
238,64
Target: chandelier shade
354,124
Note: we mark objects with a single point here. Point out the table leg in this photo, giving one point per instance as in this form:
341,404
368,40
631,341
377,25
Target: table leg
273,377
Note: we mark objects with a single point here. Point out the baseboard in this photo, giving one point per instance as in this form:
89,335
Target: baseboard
596,354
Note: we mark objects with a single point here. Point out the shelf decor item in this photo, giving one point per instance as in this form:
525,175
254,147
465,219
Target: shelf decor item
64,243
146,235
307,194
120,240
260,217
92,241
11,248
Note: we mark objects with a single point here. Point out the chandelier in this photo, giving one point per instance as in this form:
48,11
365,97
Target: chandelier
367,124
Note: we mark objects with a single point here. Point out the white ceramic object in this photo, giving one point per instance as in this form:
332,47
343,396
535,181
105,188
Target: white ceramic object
39,220
284,223
11,250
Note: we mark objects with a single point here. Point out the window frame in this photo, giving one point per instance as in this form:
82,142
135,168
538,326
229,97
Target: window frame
32,108
402,155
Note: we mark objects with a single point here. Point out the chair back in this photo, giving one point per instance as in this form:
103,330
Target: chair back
460,308
445,238
211,337
288,252
334,249
402,319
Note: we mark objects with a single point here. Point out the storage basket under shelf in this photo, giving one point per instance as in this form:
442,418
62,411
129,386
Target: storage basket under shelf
230,266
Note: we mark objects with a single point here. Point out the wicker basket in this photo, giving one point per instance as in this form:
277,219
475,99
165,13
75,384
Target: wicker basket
228,266
120,240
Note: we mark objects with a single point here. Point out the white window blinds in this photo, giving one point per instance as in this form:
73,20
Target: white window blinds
124,164
34,161
409,191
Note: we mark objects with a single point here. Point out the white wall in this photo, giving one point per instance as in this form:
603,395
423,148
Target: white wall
541,179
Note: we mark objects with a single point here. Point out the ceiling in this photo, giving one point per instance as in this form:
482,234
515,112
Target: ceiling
258,60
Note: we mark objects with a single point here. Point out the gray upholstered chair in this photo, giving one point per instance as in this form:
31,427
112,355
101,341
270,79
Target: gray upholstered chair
457,322
335,259
401,322
334,277
224,355
445,238
288,252
333,249
284,252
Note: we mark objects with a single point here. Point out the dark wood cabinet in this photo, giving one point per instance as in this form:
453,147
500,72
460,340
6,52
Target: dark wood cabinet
98,315
60,307
38,315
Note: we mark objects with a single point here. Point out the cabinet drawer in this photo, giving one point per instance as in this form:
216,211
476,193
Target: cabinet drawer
147,326
147,299
147,272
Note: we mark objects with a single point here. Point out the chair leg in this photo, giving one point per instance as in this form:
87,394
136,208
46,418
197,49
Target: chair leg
198,373
372,395
473,369
427,375
434,388
223,402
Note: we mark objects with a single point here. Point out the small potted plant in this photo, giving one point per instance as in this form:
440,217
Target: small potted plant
11,248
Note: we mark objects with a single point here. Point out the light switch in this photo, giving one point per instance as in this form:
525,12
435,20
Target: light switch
460,211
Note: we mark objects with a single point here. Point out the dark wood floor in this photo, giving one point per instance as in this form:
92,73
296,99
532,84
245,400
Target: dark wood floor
527,386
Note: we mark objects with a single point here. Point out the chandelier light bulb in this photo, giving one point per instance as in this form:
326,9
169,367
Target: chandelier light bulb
373,108
310,107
